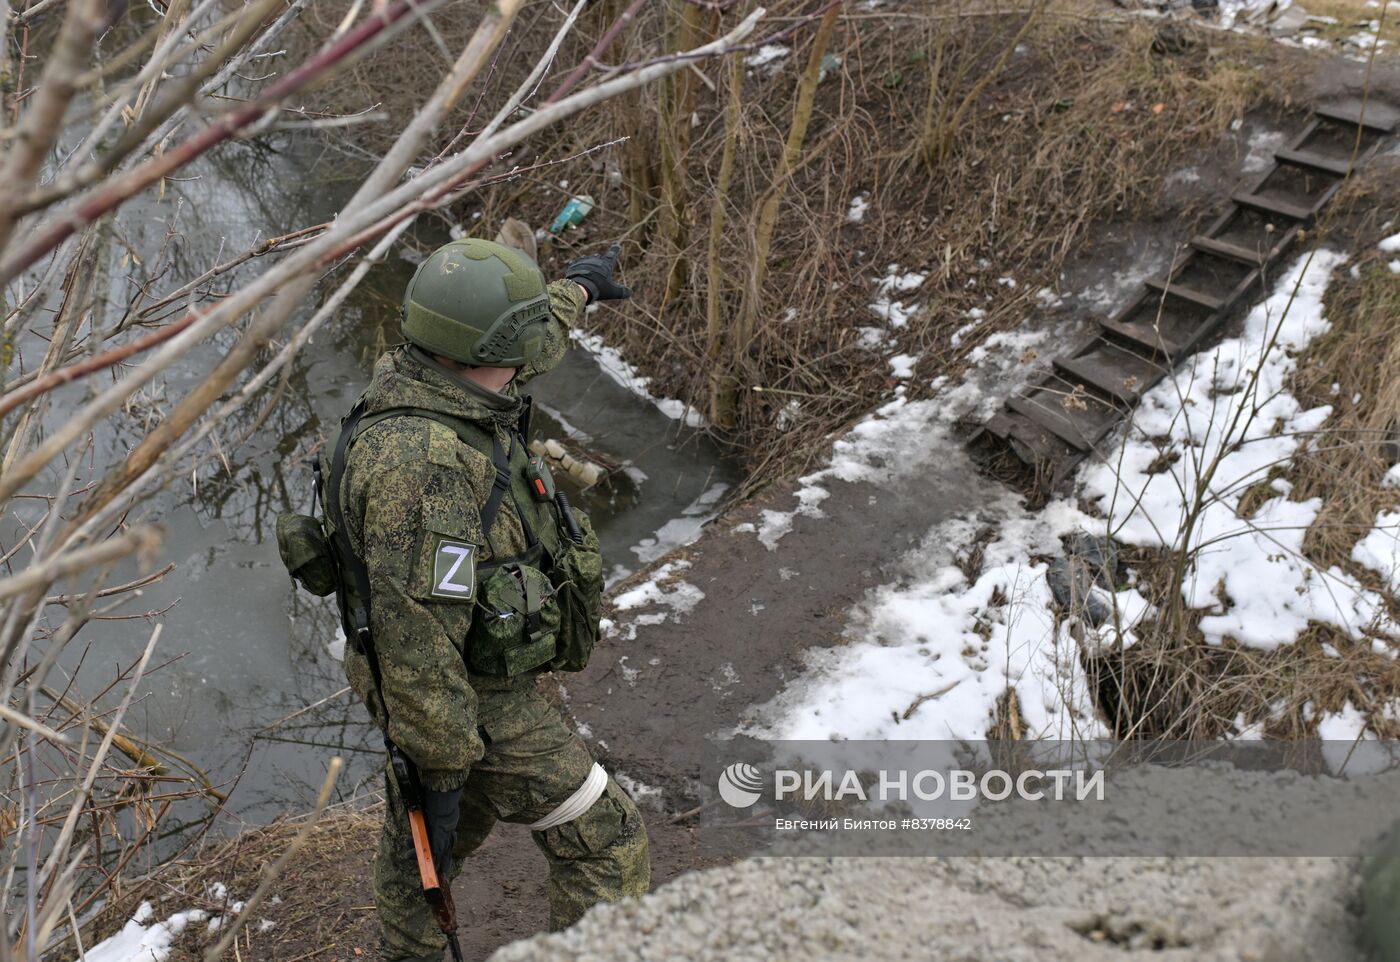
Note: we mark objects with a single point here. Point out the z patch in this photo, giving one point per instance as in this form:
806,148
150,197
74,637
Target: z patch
454,570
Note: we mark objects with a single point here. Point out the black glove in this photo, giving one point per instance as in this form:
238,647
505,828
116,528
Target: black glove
594,274
440,810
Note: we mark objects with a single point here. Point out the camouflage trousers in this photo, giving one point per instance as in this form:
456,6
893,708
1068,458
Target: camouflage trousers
533,762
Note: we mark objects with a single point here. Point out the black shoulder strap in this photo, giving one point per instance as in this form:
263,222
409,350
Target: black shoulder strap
501,459
522,426
331,501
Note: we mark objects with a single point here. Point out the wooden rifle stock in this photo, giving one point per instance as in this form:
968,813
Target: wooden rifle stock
437,892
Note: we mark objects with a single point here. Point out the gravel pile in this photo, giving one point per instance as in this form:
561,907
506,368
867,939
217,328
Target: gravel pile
980,910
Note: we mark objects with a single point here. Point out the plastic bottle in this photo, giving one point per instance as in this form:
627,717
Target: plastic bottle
573,213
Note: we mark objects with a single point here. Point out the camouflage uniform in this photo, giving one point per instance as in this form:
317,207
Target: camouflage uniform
406,479
1380,888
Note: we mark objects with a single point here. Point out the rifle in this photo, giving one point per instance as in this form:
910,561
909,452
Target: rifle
435,893
438,895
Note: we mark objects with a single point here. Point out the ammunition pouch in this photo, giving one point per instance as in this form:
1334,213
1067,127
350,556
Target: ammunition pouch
515,628
306,553
578,583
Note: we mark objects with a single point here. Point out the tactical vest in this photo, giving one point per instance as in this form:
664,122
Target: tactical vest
534,611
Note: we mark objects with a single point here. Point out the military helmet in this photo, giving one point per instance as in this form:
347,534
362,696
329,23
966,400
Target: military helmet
479,303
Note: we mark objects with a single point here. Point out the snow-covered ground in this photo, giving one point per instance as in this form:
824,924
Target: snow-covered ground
929,654
665,590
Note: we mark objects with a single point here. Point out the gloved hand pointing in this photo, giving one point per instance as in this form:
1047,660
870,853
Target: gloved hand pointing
594,274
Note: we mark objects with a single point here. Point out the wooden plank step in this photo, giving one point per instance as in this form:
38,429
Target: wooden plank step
1313,161
1209,301
1380,117
1149,339
998,426
1081,427
1233,252
1030,442
1269,205
1116,371
1057,424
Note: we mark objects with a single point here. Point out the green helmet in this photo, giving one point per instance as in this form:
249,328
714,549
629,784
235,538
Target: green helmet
478,303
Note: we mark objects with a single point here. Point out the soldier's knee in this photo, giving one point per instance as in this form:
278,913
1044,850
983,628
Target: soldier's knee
600,856
611,828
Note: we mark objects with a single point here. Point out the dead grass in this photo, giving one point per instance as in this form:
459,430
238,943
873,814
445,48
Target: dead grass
1180,687
322,906
1087,114
1355,369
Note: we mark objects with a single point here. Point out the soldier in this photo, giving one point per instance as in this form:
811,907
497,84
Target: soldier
476,586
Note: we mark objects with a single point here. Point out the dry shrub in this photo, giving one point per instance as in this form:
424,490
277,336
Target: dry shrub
1051,125
1345,464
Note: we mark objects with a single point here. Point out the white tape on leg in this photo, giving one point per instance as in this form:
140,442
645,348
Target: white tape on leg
577,803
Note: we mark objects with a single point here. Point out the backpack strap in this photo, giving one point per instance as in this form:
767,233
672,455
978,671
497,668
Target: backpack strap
357,613
500,486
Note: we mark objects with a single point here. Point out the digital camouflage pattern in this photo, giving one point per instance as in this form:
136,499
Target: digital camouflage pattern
412,497
533,763
407,478
1380,888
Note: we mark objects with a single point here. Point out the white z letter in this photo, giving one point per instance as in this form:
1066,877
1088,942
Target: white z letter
447,584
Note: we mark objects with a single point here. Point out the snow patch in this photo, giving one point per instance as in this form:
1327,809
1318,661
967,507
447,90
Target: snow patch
142,940
902,365
1380,549
639,791
617,368
886,304
663,590
1261,150
1232,11
766,54
872,338
683,530
775,524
